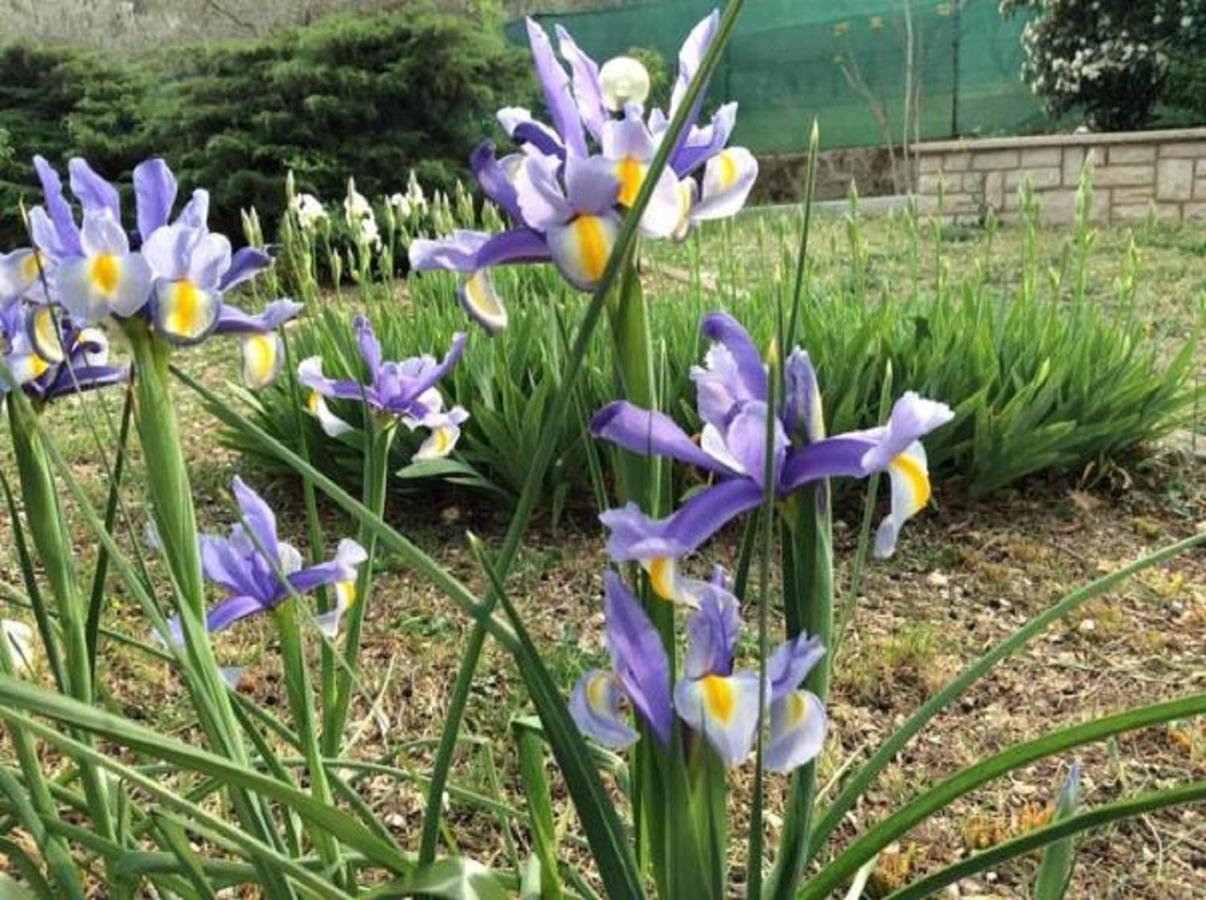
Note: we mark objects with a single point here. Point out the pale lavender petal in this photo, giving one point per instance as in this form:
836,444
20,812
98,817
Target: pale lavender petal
94,192
432,374
519,125
209,260
541,200
370,347
584,71
791,662
343,568
230,611
257,516
704,143
64,240
103,234
555,85
223,565
169,249
591,184
724,329
723,710
309,374
154,195
456,252
913,417
596,706
797,731
650,433
690,56
835,457
638,656
712,633
803,417
745,440
627,138
196,212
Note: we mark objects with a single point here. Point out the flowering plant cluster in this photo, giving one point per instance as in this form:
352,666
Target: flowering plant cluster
566,186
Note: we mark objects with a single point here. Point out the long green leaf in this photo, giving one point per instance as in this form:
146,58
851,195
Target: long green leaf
540,807
1055,871
867,773
898,823
16,694
453,879
611,851
930,885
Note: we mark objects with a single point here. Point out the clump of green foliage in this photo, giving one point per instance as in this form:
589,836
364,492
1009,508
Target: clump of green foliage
365,95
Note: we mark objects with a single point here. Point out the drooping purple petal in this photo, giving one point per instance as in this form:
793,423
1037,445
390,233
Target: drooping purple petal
835,457
635,535
348,557
555,85
596,705
246,263
650,433
690,57
72,379
638,657
704,143
154,195
309,374
913,417
431,374
519,125
493,180
456,252
232,320
223,565
230,611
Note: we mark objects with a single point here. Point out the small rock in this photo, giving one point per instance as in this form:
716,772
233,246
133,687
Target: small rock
1087,626
937,579
990,877
395,820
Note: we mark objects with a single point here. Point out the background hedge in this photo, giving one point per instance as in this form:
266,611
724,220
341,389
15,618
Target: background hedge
368,96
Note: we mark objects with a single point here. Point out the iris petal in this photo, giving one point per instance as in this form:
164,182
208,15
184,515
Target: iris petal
596,706
480,300
797,731
184,312
723,709
582,247
263,355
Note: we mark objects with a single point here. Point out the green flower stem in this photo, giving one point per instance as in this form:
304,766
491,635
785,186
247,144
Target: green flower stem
379,439
808,608
301,704
171,502
52,540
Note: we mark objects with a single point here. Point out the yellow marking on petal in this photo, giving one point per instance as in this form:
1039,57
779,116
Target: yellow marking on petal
630,173
46,334
797,709
718,696
185,306
37,365
662,576
313,402
443,439
592,245
596,691
345,593
916,479
259,355
103,273
30,266
728,170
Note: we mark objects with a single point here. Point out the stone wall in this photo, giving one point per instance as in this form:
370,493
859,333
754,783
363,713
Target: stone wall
1134,174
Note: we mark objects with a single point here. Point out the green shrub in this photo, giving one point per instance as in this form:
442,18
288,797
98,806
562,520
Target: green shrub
348,95
1039,383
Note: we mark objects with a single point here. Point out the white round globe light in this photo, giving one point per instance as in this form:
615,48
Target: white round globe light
623,80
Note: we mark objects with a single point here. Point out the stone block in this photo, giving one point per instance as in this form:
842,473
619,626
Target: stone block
1074,158
1194,212
996,159
1123,176
1183,150
1041,156
1199,189
1057,207
1200,168
1132,153
1174,179
972,182
994,189
929,162
956,162
1132,195
1040,178
1138,212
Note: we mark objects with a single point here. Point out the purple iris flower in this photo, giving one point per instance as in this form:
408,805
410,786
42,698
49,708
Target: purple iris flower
564,198
173,272
48,358
259,570
640,675
405,390
731,392
712,698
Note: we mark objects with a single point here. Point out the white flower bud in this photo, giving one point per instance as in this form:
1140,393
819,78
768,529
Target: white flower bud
623,80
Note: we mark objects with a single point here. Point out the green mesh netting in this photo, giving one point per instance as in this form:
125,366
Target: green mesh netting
782,65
